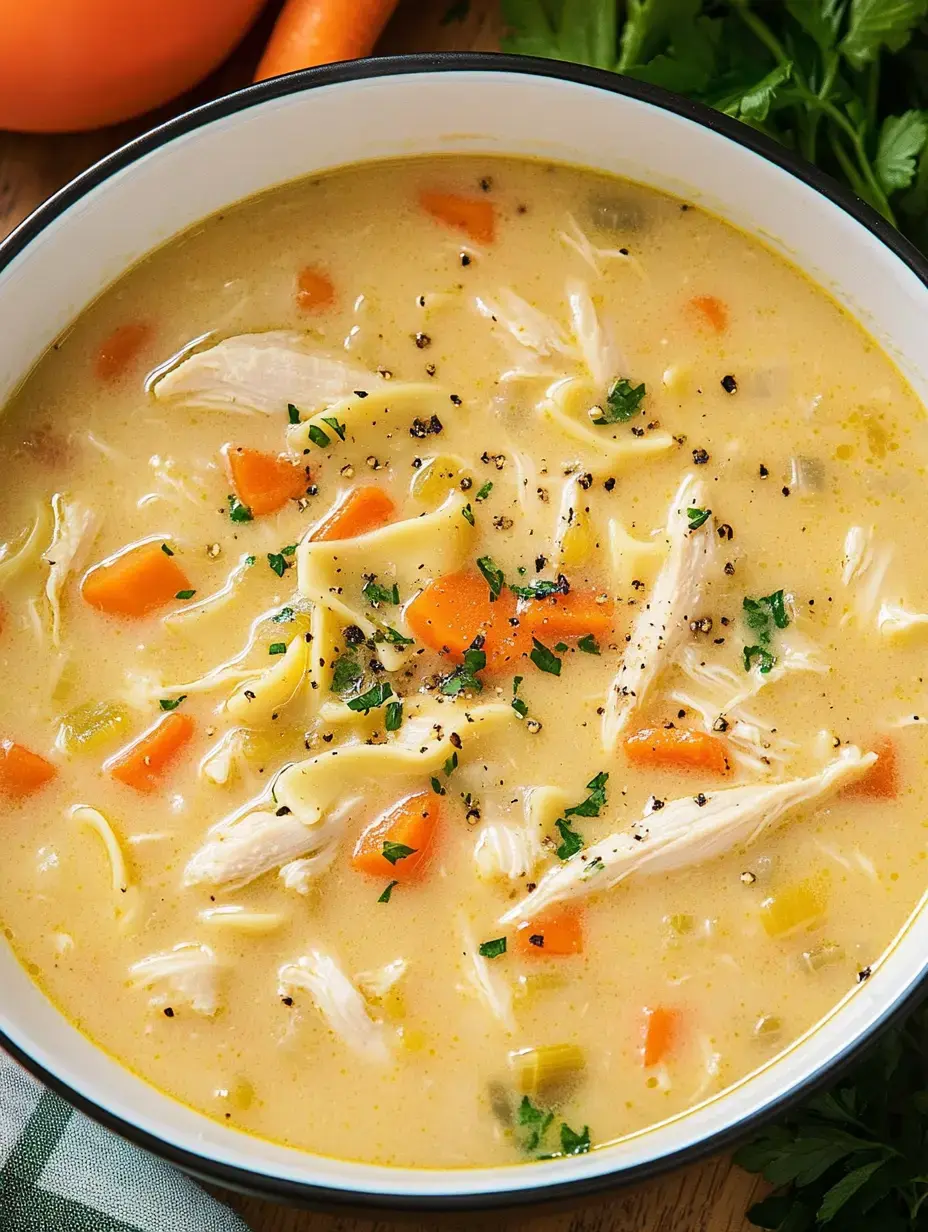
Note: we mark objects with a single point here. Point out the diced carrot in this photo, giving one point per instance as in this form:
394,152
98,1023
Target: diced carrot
881,782
660,1032
361,511
314,290
143,764
263,481
21,770
711,311
555,933
135,582
475,216
451,611
116,352
411,825
677,748
572,615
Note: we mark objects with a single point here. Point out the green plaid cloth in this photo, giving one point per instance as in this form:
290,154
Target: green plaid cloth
60,1172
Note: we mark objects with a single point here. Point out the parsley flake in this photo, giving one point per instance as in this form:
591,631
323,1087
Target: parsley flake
393,716
385,896
392,852
571,842
698,517
337,428
168,703
237,511
589,645
318,436
492,574
277,648
185,594
492,949
374,697
374,593
622,402
485,491
544,659
293,413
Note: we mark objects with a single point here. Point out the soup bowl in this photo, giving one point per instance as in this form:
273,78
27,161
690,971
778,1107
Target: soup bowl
76,244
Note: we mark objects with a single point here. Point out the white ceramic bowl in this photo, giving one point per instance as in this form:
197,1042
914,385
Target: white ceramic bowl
86,235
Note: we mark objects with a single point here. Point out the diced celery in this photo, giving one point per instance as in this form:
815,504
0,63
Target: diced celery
549,1067
436,479
94,724
825,955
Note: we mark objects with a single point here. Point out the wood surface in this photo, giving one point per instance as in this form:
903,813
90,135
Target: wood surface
709,1197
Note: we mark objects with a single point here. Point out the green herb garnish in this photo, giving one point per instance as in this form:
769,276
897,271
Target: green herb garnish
393,716
485,491
393,852
277,648
337,428
464,679
277,562
392,636
237,511
167,703
571,842
436,786
385,896
347,674
185,594
374,697
518,704
622,402
589,645
541,588
451,764
544,659
533,1123
293,413
698,517
375,593
762,616
166,550
595,801
317,436
492,949
765,659
468,514
283,616
493,575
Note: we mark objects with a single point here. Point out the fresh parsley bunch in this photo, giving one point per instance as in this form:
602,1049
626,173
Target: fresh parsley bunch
856,1158
844,83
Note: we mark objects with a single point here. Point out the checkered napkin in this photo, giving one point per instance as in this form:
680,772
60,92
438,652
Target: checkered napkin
60,1172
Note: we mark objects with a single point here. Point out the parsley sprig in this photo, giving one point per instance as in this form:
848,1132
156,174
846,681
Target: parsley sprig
762,616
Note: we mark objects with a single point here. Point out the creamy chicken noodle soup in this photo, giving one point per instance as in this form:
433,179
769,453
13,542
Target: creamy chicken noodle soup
462,634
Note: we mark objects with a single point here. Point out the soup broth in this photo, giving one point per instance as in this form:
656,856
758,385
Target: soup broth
462,626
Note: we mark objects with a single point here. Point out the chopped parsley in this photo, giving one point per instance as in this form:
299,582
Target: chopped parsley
393,716
492,574
485,491
166,550
589,645
251,560
571,842
573,1143
347,674
762,616
698,517
542,588
293,413
765,659
396,851
595,801
374,593
518,704
283,616
237,511
468,514
385,896
464,679
393,636
185,594
622,402
492,949
544,659
317,436
169,703
374,697
277,562
533,1125
436,786
451,764
277,648
337,428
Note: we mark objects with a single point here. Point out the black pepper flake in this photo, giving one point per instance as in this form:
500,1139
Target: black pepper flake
455,399
609,483
423,341
729,568
762,471
640,432
785,490
700,457
486,184
430,369
455,740
864,975
540,562
250,696
725,532
721,724
288,1001
702,800
586,481
702,625
729,384
465,259
466,484
283,811
537,939
656,805
360,393
168,1012
420,429
354,636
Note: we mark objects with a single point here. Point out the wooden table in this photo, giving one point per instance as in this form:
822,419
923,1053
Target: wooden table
709,1197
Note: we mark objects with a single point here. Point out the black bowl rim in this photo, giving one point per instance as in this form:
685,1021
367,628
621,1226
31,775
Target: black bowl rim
334,1197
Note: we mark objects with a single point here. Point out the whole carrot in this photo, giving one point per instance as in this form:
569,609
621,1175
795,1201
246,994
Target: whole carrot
310,32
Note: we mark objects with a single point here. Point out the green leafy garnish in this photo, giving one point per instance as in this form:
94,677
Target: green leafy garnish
385,896
251,560
436,786
277,648
337,428
318,436
492,949
237,511
571,842
464,679
518,704
347,674
185,594
166,550
293,413
823,77
374,697
533,1124
622,402
698,517
573,1143
468,514
493,575
595,801
393,716
544,659
765,659
283,616
485,491
451,764
393,636
541,588
589,645
396,851
277,562
168,703
375,593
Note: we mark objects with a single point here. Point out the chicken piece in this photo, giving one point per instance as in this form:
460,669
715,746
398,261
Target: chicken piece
187,975
76,527
338,1001
688,831
663,623
262,373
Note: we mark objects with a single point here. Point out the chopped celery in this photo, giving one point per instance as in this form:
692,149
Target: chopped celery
550,1066
825,955
94,724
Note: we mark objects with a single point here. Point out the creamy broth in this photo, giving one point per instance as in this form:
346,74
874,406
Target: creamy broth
774,455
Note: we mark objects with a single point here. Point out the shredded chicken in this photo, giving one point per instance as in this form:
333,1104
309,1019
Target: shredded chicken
863,572
531,328
663,623
597,347
510,850
688,831
338,1001
377,985
76,527
488,982
301,875
895,621
187,975
262,373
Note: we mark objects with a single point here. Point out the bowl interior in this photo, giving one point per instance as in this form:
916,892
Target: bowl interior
239,146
